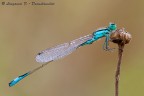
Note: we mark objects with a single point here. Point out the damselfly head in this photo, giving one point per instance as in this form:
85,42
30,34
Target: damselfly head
112,26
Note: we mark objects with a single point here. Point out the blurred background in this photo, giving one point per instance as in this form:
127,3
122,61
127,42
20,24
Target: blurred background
89,71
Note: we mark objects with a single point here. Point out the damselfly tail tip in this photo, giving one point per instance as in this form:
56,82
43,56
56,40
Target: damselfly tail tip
19,78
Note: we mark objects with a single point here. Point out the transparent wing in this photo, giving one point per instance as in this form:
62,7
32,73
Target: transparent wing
61,50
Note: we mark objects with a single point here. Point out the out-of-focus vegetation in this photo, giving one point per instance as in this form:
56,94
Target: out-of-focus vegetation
26,30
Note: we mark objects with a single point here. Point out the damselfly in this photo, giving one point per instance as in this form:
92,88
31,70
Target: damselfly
62,50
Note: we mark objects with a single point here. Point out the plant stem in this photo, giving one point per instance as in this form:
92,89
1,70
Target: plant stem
117,75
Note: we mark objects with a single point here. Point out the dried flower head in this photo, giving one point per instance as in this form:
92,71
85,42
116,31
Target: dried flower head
120,36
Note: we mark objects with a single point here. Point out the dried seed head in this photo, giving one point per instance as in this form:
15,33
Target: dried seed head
120,36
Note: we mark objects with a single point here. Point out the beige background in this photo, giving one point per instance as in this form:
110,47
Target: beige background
26,30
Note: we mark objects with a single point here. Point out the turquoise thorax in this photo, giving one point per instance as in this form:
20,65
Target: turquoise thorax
103,32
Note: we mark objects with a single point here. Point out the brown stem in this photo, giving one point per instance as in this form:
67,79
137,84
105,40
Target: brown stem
120,37
117,75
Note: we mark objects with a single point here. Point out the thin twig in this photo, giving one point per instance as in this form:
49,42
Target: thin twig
120,37
117,75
